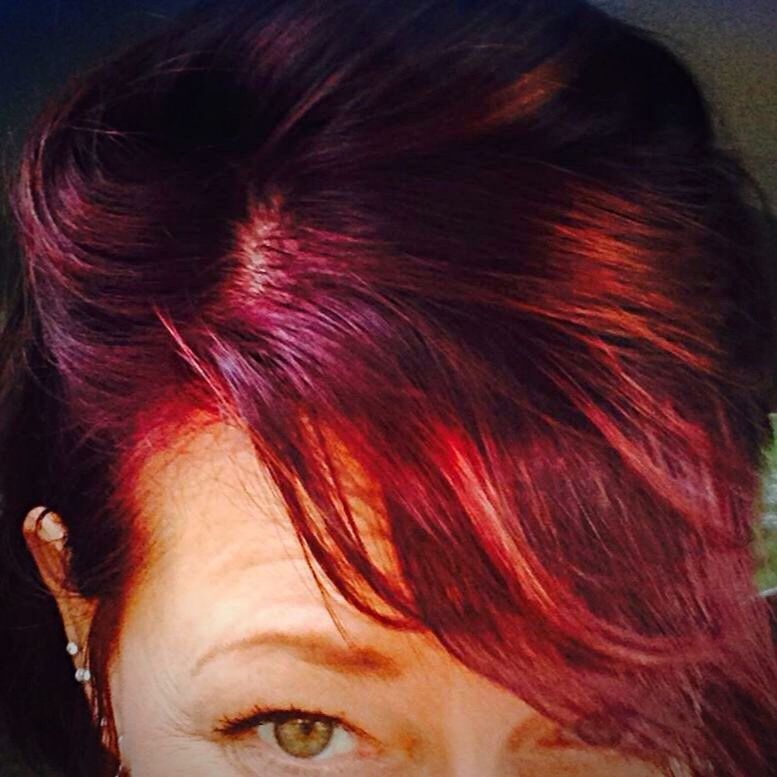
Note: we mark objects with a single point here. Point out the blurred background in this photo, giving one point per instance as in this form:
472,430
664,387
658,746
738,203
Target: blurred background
731,45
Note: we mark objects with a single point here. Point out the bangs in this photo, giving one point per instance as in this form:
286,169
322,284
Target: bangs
441,487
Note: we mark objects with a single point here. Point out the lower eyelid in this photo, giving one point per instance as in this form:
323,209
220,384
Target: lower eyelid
259,756
259,761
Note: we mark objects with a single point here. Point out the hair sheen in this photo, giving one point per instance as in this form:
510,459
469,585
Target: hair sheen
494,251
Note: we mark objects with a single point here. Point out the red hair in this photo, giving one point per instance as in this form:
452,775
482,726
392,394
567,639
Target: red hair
493,251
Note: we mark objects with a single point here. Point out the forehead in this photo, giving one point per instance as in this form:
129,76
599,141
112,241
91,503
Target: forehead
206,490
206,485
221,547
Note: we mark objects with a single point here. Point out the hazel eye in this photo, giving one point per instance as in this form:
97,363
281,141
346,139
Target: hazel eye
306,736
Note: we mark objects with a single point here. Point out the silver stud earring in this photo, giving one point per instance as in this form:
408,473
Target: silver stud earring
83,675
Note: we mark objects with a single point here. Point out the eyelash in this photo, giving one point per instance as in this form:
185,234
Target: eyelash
235,727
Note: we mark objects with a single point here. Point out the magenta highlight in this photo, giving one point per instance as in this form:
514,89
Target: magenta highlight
491,249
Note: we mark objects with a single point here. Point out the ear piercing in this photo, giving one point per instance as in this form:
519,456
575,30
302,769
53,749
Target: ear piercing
82,674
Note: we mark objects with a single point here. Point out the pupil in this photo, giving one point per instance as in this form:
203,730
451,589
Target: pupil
303,737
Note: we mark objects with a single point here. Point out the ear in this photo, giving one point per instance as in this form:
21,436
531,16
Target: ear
46,538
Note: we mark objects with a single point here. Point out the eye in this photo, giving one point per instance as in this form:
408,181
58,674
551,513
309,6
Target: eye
302,735
298,734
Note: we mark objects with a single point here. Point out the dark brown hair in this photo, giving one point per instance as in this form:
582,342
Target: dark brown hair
495,250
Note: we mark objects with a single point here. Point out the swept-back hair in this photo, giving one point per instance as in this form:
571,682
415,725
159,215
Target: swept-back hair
491,250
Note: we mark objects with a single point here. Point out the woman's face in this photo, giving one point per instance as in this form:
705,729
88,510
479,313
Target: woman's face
229,662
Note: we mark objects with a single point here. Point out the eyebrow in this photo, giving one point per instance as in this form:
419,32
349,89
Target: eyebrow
313,648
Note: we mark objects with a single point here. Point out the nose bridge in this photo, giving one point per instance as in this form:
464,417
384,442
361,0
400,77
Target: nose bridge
470,765
473,728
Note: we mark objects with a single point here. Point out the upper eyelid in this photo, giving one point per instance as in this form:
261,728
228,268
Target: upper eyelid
237,726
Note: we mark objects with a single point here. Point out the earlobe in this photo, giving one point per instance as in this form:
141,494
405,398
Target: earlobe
46,538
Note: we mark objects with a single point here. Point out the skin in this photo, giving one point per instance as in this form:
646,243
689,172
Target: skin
228,623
